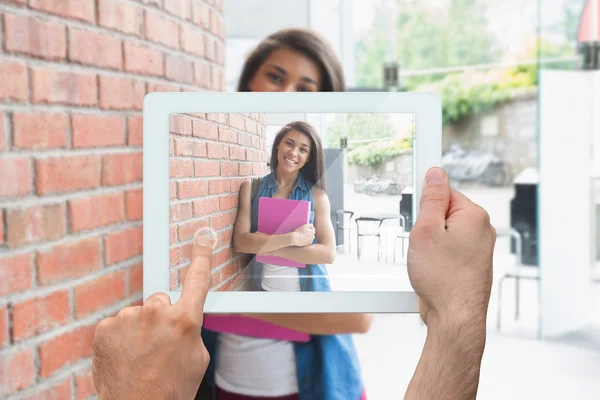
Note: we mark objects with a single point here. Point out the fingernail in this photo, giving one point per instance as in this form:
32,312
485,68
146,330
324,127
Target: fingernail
203,241
435,176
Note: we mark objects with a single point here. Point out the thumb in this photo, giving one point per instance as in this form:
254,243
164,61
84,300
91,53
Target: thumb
435,199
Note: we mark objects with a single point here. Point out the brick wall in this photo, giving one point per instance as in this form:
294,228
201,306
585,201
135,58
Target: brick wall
211,155
73,74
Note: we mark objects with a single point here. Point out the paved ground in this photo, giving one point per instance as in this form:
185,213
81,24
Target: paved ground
516,364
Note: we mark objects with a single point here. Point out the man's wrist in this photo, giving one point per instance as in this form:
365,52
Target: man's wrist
459,325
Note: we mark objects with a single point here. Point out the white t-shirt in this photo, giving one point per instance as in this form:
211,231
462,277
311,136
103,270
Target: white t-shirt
258,366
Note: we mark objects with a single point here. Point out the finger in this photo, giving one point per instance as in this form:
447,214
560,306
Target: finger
158,300
197,280
458,202
435,199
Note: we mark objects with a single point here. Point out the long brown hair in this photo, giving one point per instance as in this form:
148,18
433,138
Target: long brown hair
304,41
314,169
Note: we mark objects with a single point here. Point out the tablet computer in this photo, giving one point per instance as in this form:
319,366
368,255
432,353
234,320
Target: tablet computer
375,149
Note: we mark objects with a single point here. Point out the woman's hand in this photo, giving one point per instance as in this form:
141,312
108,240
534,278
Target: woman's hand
304,236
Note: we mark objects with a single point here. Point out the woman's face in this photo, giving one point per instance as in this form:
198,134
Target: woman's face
286,70
293,152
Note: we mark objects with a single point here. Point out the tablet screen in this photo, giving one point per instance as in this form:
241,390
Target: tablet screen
338,207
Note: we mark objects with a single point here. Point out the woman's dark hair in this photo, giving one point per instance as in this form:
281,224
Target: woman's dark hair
314,169
303,41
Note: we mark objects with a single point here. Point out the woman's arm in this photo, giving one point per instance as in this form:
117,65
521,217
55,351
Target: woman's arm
323,252
320,324
254,243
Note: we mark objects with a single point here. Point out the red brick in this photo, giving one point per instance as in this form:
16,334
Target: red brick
134,204
229,169
93,48
201,15
190,189
3,326
179,68
180,212
69,260
179,8
59,391
220,118
14,177
246,169
215,23
98,130
172,191
190,148
84,384
206,168
221,257
215,79
226,236
65,174
40,314
192,40
253,155
180,254
220,221
135,131
237,153
136,281
186,230
202,74
235,184
13,76
17,370
180,125
120,16
52,86
181,168
171,146
206,206
40,130
35,37
250,126
83,10
3,133
121,94
227,135
161,87
210,49
173,279
161,30
121,169
228,202
255,142
218,187
66,349
244,139
99,293
120,246
236,121
205,130
172,234
97,211
217,150
231,269
143,59
36,223
1,227
15,274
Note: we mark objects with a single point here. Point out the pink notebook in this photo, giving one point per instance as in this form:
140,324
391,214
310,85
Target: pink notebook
278,216
246,326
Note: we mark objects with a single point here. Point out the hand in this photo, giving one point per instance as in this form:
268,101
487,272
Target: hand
450,254
155,350
304,235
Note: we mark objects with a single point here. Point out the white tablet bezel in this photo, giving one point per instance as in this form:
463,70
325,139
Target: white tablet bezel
158,106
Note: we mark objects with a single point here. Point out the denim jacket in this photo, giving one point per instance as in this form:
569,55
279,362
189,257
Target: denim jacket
327,365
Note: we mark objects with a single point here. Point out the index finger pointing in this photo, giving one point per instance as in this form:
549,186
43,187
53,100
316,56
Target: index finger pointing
197,280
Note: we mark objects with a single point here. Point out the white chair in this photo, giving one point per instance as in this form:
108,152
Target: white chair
403,235
517,271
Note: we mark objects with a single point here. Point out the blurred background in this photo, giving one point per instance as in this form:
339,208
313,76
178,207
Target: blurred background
519,82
